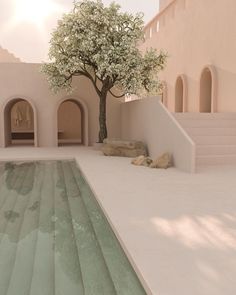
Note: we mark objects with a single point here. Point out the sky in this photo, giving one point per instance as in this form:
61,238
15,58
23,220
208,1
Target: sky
26,25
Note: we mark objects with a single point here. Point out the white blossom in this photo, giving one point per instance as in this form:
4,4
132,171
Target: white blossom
102,42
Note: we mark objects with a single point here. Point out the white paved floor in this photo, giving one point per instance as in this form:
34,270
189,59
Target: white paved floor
179,229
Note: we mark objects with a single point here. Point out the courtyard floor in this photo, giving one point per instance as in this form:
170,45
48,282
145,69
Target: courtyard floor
178,229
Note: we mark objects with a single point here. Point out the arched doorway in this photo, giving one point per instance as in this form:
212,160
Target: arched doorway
207,90
19,123
180,94
70,123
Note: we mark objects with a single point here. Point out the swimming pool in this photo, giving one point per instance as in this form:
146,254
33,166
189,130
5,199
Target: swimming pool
54,237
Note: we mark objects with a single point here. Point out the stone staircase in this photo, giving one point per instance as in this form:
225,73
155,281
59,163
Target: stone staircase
213,134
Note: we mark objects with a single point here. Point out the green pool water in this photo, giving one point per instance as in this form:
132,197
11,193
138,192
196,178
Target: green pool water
54,237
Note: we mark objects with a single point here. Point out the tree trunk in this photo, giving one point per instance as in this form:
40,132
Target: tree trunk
102,117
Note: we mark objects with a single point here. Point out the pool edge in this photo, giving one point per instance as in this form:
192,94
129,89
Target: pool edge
120,240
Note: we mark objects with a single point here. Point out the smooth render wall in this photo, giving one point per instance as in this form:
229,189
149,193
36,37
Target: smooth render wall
149,121
22,80
163,3
69,120
196,34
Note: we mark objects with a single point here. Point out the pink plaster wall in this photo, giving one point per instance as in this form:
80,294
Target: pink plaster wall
164,3
69,120
196,34
20,80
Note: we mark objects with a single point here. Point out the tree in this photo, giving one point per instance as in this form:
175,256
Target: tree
101,43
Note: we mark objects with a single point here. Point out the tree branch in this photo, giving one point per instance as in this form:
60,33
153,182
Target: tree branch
89,76
116,96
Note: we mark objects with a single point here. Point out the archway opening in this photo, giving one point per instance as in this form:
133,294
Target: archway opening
206,91
70,120
179,95
19,123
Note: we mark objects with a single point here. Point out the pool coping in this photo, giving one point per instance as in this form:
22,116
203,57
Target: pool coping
122,243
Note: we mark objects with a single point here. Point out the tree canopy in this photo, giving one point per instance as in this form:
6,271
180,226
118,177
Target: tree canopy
101,43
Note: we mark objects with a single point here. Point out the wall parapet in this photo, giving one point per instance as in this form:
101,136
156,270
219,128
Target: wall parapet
160,20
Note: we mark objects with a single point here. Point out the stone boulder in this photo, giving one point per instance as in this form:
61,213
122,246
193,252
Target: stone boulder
123,148
142,161
164,161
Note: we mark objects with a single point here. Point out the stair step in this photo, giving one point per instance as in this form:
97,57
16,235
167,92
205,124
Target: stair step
66,254
61,242
116,260
92,262
24,256
216,160
5,194
216,150
214,135
42,281
205,116
10,229
210,131
214,140
187,123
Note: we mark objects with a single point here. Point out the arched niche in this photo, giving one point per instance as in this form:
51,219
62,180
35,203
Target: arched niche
19,122
207,99
72,122
180,94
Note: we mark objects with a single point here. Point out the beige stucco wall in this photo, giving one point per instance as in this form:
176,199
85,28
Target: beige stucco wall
25,81
69,120
164,3
196,34
149,121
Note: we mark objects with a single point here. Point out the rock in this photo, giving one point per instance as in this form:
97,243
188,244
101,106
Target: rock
122,148
142,161
164,161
